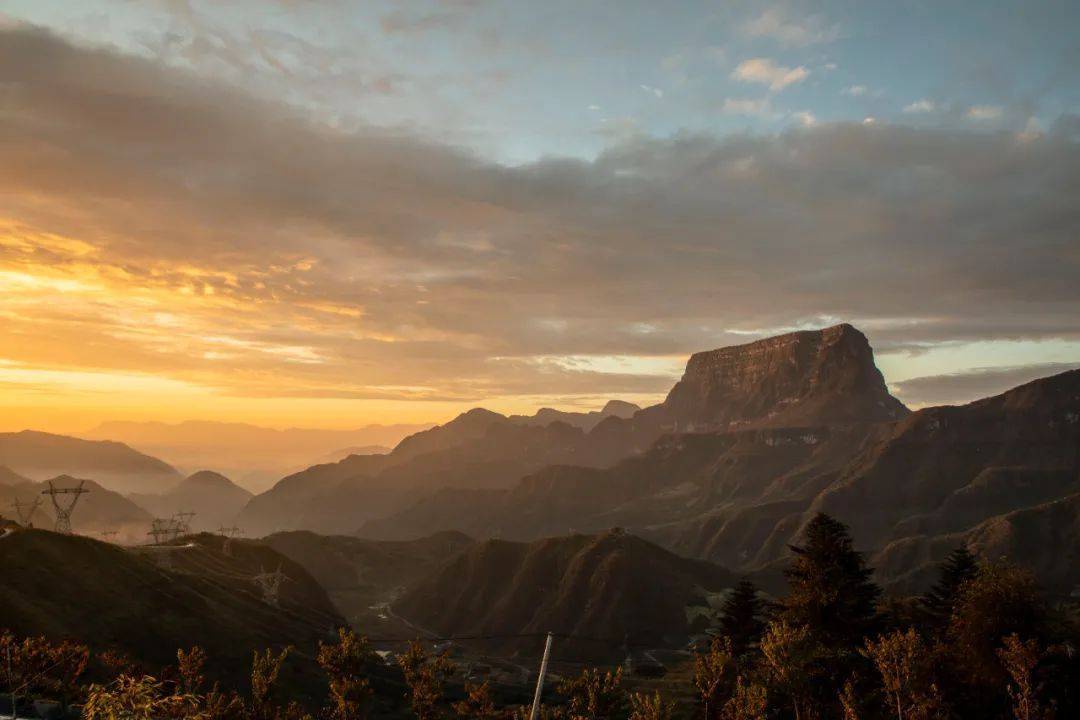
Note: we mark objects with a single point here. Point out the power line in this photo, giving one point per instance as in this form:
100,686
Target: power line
63,512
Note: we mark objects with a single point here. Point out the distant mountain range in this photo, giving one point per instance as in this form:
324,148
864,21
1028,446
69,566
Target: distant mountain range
39,456
253,456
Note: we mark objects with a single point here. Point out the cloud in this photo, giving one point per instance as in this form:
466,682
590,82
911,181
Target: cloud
804,118
984,112
765,71
776,24
755,107
855,90
920,106
160,223
962,387
657,92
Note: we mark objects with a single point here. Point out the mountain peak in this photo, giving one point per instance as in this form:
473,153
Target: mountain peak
808,377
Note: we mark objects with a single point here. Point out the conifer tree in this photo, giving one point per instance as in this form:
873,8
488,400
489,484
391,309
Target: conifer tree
959,567
831,592
741,621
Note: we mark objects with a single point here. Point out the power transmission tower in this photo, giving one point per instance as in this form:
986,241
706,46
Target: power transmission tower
270,584
162,530
230,532
25,511
63,511
182,522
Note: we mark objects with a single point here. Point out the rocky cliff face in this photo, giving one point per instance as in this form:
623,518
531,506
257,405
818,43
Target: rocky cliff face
812,377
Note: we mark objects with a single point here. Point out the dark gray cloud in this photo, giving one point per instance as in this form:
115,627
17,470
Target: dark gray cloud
466,277
981,382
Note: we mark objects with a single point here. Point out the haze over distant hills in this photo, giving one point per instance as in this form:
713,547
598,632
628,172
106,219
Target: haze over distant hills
213,498
39,456
254,457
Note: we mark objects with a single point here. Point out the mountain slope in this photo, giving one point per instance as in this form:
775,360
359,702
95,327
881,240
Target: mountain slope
613,587
124,599
363,576
39,455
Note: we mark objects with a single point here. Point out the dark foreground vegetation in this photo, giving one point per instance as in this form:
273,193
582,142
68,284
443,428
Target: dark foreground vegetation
983,643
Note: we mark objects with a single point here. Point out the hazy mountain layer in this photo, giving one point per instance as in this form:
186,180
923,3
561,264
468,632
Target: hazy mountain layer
39,456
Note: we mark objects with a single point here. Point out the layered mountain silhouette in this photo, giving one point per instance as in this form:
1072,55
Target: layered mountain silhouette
251,455
478,449
39,456
607,592
99,510
756,439
213,498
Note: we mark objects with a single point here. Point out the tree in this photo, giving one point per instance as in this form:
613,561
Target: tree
265,667
137,698
791,655
741,617
714,671
747,702
959,567
347,664
424,674
830,588
190,664
1000,600
593,695
903,661
478,703
651,707
1019,658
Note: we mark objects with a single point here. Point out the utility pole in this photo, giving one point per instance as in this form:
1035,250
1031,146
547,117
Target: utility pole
63,512
540,679
11,679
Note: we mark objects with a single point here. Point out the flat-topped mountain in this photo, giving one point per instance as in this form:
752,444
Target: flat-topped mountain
39,455
806,378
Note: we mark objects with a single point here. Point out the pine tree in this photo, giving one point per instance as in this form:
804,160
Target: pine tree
741,621
831,590
959,567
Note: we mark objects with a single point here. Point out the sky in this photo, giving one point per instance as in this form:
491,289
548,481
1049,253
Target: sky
327,214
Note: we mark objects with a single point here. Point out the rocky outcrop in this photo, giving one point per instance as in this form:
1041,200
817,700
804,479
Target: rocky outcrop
808,378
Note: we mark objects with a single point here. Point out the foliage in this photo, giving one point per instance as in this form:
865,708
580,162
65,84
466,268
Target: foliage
265,667
714,672
478,704
959,567
347,664
790,656
747,702
830,588
137,698
741,616
902,659
1000,600
1020,658
424,675
593,695
651,707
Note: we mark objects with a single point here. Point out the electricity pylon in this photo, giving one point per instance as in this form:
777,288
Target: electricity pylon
270,584
230,532
25,511
63,511
182,522
163,530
